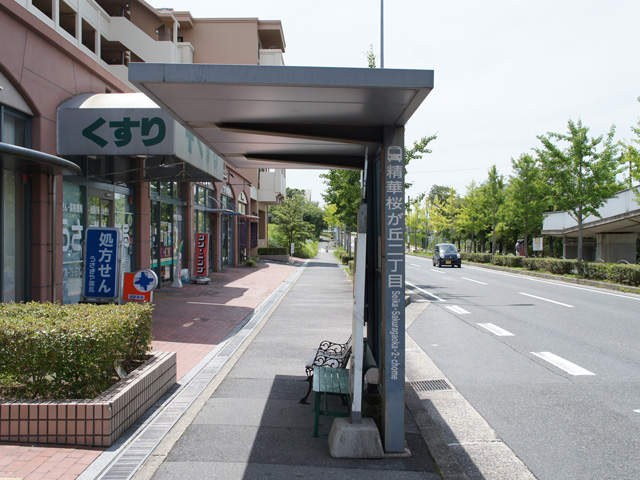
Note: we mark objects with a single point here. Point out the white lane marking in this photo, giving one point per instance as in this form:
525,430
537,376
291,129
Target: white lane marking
562,363
457,309
474,281
415,265
437,271
545,299
637,411
496,330
425,292
557,283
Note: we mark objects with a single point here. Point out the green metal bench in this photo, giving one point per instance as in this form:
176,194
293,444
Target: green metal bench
328,354
329,381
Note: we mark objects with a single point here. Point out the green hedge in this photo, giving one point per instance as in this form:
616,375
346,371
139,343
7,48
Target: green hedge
272,251
55,351
610,272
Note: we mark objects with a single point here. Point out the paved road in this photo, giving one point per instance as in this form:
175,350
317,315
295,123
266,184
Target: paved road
553,367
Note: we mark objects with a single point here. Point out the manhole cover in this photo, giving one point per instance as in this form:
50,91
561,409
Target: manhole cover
430,385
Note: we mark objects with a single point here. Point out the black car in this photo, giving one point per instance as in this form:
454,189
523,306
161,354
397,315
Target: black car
446,254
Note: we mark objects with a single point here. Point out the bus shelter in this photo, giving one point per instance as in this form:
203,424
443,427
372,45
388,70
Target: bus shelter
314,118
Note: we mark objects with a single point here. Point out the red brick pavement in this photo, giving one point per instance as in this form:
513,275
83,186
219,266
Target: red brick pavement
191,321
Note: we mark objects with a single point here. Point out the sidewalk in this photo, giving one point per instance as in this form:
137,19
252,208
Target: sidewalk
191,321
252,425
242,343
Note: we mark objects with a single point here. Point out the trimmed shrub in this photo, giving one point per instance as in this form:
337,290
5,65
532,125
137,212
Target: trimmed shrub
612,272
512,261
476,257
272,251
625,274
70,351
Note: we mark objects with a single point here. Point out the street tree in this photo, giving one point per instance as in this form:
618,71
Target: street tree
493,199
472,220
289,219
344,191
580,171
415,218
630,159
525,201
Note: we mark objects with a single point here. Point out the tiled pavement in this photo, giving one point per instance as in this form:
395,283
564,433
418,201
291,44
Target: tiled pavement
191,321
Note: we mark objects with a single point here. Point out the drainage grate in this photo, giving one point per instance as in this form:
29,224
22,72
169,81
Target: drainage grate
430,385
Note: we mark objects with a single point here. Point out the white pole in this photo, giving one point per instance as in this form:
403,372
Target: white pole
381,33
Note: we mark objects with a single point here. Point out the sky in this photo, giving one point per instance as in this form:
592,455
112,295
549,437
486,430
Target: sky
505,71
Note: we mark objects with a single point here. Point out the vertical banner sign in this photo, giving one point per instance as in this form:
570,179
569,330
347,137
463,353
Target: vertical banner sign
202,254
394,271
101,264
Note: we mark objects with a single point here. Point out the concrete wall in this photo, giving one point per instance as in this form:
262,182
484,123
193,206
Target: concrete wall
232,41
570,248
613,247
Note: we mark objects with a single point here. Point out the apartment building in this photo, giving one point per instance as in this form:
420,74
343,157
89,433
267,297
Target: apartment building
81,148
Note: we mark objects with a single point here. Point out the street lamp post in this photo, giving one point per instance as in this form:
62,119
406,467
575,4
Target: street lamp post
381,33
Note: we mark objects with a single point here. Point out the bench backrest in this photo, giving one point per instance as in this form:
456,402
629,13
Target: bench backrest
335,355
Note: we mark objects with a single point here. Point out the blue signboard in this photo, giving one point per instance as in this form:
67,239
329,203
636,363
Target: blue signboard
101,266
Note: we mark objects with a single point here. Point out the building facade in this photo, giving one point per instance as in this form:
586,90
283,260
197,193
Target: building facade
129,165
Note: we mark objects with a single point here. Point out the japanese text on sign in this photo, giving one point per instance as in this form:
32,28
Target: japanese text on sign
394,210
152,131
101,263
202,254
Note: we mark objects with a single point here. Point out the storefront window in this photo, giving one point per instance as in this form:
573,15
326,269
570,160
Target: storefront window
204,202
14,260
72,238
124,210
227,231
98,208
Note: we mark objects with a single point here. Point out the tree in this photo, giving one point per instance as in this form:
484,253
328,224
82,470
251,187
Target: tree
472,220
371,58
525,200
631,157
289,218
581,176
415,218
343,191
417,151
493,197
312,212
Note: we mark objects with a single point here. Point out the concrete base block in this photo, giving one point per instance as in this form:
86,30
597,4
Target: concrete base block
349,440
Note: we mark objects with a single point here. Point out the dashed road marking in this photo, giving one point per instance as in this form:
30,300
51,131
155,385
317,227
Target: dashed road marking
546,300
474,281
496,330
563,364
457,309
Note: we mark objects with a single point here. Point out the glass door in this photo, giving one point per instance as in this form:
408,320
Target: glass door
162,240
100,208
